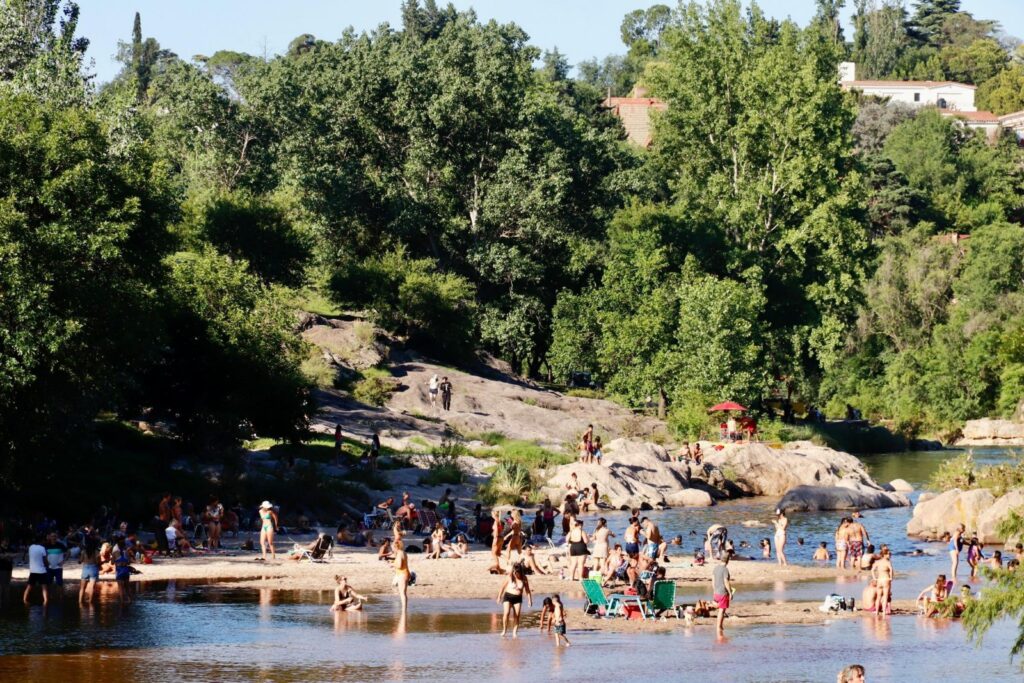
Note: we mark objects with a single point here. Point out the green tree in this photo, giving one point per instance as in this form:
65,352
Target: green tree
929,17
1003,596
1004,92
976,63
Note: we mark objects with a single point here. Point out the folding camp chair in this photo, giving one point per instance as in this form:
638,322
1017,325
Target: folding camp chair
663,599
321,552
611,604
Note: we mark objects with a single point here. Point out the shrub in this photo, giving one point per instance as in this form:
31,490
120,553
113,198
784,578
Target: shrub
364,332
508,483
530,455
586,393
489,438
318,371
443,463
375,387
689,418
961,472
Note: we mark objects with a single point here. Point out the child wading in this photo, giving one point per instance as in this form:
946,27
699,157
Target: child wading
559,619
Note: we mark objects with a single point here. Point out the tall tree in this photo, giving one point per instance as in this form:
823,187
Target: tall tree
827,18
930,15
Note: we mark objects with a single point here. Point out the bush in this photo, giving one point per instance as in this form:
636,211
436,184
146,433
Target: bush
689,419
586,393
508,484
528,454
961,472
443,463
318,371
375,387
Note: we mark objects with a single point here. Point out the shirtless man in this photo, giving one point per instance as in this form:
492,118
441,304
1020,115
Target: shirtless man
653,535
856,537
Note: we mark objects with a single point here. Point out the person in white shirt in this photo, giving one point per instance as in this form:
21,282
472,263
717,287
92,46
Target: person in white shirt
37,574
434,384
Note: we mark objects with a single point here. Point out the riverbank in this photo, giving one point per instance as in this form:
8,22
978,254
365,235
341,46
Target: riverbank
463,578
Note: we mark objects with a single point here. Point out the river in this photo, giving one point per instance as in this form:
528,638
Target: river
180,631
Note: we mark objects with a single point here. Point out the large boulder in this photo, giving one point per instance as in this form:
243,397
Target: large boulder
944,512
853,497
763,471
632,473
900,485
988,432
990,519
691,498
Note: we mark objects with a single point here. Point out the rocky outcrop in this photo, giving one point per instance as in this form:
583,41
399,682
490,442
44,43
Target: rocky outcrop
690,498
899,485
990,519
763,471
988,432
632,473
945,511
850,497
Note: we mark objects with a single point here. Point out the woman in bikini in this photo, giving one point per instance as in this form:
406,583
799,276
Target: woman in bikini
781,524
497,540
929,599
841,543
882,573
269,518
402,573
437,537
346,599
510,597
956,544
578,552
631,538
214,514
514,536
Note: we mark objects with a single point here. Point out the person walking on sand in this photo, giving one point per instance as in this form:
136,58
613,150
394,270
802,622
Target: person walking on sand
578,552
510,597
446,394
514,537
402,574
434,387
721,590
781,524
558,616
267,530
956,544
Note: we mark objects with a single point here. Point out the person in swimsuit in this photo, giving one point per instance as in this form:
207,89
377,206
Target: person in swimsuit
558,617
882,573
123,571
549,517
654,538
568,509
974,556
269,518
498,539
578,552
547,611
869,597
781,523
631,538
214,514
956,544
510,597
402,574
514,536
90,559
928,600
856,537
601,534
841,536
345,598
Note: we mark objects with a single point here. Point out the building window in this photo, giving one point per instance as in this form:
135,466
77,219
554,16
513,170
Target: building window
917,97
942,103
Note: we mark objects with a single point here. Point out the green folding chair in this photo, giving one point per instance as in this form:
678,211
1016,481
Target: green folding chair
663,599
611,604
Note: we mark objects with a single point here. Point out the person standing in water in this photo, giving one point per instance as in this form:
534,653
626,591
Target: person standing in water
721,590
559,618
402,574
267,530
956,544
882,573
781,523
510,597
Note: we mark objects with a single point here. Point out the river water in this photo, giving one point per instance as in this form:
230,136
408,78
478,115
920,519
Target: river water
179,631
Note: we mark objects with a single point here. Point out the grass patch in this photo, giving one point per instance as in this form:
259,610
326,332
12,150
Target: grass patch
526,453
365,332
586,393
374,387
509,483
317,370
314,302
428,418
443,463
530,401
489,438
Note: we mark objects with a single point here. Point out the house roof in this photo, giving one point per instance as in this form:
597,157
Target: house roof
973,116
634,112
906,84
1014,116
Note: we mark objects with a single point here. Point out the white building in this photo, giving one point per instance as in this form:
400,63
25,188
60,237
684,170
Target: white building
946,95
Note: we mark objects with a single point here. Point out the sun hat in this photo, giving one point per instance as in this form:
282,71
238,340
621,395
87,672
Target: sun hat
265,504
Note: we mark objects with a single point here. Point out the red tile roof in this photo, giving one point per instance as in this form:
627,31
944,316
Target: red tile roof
975,116
635,115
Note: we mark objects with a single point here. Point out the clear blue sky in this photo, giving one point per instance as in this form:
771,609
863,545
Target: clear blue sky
579,28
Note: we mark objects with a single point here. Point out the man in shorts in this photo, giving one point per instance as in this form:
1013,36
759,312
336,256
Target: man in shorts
721,589
37,575
856,537
55,552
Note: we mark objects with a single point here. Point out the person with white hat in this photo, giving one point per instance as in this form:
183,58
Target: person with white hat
269,518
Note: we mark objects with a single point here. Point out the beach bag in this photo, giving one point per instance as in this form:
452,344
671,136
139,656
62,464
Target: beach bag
833,603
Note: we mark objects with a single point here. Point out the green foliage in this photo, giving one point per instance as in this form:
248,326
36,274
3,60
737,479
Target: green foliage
689,418
527,453
443,463
318,370
1003,93
374,387
509,482
1003,595
227,330
411,297
961,472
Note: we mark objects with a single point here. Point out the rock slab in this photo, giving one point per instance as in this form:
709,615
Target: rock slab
988,432
990,519
813,498
945,511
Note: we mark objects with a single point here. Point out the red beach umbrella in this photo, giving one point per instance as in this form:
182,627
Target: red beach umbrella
728,405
